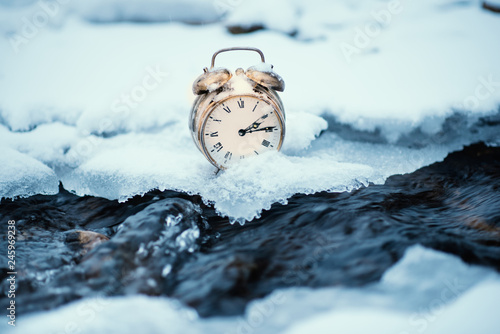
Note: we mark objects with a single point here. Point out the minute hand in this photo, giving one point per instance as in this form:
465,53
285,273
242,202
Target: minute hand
267,128
256,124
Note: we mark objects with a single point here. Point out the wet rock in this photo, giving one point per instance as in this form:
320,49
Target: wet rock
242,29
84,241
491,6
50,260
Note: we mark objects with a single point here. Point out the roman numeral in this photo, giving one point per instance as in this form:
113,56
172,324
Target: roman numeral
213,134
215,120
255,106
265,143
228,155
217,147
241,103
226,109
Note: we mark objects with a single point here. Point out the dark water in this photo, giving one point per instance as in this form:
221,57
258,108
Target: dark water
169,243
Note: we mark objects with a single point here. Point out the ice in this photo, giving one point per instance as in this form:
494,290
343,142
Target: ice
303,127
23,176
425,291
105,106
234,191
126,165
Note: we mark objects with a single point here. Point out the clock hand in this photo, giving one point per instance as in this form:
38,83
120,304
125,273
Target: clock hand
252,126
267,128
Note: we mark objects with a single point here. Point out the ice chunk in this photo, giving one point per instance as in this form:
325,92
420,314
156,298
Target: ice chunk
21,175
301,129
127,165
242,191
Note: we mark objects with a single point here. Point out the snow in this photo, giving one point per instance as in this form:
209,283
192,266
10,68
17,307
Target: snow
263,67
25,176
46,143
426,291
190,11
105,106
54,12
240,84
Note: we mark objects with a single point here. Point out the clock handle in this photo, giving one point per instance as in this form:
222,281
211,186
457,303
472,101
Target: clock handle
238,49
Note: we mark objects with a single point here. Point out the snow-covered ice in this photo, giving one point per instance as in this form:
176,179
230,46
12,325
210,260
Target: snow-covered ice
104,107
23,175
426,291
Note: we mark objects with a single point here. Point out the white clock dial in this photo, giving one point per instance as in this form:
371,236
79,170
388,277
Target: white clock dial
240,127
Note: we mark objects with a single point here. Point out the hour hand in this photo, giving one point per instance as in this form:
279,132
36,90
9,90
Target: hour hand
253,126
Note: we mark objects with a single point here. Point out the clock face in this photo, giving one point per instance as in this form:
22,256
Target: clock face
239,128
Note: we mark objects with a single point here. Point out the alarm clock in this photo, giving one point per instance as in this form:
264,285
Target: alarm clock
239,115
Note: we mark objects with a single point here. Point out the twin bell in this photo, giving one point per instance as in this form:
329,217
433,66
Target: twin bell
214,78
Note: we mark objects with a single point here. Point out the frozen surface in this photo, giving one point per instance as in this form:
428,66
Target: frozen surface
105,106
425,291
24,176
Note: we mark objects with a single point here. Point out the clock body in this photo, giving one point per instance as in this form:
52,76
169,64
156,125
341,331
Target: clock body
231,125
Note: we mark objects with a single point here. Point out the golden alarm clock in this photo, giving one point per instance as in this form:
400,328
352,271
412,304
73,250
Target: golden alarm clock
237,115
